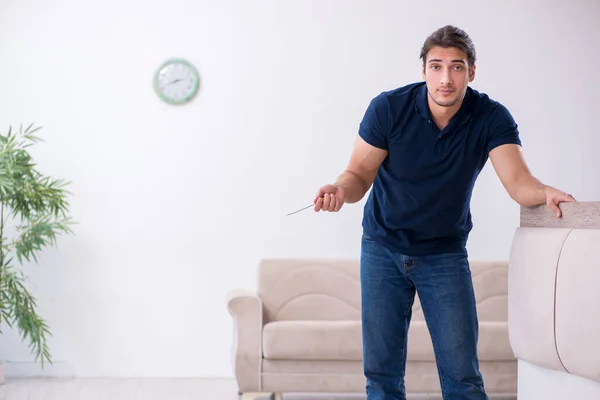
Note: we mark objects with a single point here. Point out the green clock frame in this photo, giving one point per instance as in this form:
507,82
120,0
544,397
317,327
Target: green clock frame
194,90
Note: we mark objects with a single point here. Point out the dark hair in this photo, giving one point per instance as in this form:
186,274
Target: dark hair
450,36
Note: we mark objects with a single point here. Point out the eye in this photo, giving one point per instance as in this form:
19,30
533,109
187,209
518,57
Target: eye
458,67
435,67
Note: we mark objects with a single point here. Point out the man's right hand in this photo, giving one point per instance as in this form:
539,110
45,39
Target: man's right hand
330,198
351,186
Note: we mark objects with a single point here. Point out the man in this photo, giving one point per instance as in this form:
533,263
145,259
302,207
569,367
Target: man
422,147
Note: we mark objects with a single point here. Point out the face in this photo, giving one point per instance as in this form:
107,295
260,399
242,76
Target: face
447,75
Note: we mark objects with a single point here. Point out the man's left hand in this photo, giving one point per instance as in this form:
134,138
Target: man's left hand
554,197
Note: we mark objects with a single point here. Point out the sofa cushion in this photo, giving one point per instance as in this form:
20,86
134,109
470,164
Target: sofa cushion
309,289
313,340
493,344
342,341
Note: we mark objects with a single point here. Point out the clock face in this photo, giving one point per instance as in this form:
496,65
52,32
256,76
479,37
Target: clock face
176,81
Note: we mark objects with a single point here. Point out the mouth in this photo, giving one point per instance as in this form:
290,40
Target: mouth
446,91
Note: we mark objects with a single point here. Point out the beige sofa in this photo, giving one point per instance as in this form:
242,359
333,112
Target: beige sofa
300,332
554,302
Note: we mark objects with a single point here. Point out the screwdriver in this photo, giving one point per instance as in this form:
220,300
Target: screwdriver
304,208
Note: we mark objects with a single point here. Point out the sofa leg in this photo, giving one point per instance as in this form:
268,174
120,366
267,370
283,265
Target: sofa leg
256,396
277,396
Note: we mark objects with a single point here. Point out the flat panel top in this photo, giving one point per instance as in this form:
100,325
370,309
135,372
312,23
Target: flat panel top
576,215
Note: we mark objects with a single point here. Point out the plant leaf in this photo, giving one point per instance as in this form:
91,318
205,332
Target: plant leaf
37,205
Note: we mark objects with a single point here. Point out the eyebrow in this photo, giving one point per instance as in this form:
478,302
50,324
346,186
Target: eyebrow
439,60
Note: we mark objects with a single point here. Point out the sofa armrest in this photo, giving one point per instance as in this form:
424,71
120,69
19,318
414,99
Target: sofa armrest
246,309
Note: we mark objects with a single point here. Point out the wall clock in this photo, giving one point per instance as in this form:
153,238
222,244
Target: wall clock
176,81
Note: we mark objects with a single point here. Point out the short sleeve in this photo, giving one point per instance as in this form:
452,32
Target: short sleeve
374,127
503,129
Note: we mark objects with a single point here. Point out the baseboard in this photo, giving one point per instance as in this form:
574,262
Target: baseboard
26,369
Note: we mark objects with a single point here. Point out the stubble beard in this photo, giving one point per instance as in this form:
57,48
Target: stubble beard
448,103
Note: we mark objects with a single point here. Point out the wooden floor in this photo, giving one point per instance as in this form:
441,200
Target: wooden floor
141,389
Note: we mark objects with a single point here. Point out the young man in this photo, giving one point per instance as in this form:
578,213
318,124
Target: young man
422,147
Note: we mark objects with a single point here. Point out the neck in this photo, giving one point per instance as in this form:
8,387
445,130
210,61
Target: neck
440,113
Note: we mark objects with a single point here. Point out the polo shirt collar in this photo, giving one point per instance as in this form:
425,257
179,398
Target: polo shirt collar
463,114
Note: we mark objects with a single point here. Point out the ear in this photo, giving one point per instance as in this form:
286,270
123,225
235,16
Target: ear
423,70
472,73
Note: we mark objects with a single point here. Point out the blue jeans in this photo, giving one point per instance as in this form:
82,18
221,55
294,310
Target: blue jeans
443,282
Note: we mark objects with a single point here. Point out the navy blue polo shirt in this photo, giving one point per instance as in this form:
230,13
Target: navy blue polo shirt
420,200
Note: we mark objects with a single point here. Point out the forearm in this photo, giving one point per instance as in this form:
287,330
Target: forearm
353,185
528,191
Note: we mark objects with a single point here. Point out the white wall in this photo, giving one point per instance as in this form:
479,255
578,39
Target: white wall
177,205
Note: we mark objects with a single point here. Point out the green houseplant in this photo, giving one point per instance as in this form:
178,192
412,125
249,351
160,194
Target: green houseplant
33,212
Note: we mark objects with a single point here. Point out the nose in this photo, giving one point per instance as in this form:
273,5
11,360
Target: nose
446,77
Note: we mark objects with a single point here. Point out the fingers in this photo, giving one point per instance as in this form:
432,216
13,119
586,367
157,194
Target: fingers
326,202
338,204
555,208
329,202
567,198
319,195
554,203
329,198
318,204
323,203
333,202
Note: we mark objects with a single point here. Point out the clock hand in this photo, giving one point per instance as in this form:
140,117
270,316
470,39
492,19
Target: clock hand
175,81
